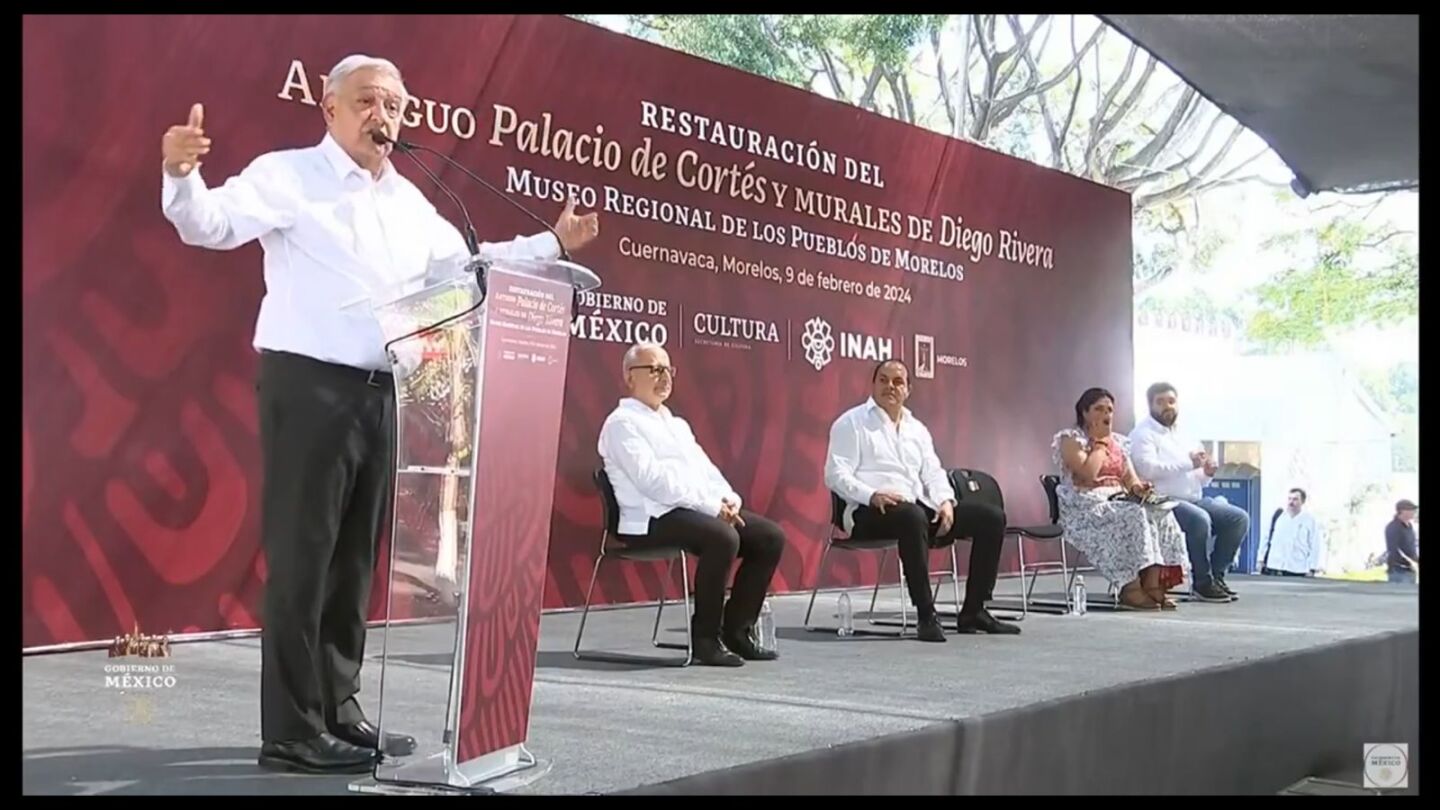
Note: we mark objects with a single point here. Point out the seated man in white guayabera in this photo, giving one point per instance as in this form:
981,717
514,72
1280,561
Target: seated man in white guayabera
882,462
1180,468
672,496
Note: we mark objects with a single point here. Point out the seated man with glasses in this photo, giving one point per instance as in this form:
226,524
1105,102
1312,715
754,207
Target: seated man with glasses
672,496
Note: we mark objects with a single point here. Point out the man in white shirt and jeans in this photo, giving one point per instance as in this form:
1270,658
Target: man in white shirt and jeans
337,223
672,495
1295,546
1180,469
882,462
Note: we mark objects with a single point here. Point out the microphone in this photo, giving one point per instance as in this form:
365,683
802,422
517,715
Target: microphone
406,146
471,240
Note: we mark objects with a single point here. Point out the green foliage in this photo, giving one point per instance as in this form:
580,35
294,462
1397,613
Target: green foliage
1397,391
1340,289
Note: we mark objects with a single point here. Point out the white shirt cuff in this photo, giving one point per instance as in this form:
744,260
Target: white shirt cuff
178,189
544,246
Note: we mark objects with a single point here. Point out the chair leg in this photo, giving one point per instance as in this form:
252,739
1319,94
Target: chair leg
585,614
1024,594
620,658
685,589
879,575
684,598
660,609
904,614
819,577
1066,576
955,578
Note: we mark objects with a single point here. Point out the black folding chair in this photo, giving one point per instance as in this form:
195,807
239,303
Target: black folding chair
612,547
978,486
836,538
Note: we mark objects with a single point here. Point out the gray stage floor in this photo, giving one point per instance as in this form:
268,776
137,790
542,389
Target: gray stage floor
611,728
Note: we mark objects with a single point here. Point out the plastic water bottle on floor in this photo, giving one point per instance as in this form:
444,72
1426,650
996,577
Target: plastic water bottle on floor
1078,601
767,628
847,615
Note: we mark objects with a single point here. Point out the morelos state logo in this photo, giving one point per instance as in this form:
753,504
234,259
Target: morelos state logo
818,343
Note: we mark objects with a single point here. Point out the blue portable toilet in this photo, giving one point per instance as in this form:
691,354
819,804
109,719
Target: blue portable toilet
1239,484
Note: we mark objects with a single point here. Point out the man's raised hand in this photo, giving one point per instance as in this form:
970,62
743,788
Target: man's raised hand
184,144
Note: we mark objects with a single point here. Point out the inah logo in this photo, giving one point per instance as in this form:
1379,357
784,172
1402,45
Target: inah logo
818,342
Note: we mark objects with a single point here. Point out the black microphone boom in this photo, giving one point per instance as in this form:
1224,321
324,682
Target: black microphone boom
472,241
406,146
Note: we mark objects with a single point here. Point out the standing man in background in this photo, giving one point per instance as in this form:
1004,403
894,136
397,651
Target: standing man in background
1402,549
1295,546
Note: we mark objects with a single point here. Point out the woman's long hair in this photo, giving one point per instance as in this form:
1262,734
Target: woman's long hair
1090,397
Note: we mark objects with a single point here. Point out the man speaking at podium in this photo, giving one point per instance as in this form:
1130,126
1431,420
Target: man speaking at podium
337,222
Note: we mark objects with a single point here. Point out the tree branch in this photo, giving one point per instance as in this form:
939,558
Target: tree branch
1386,238
867,100
1131,99
1022,45
1162,138
901,111
1004,107
942,79
1198,184
969,101
829,65
1124,173
905,93
1057,138
1098,122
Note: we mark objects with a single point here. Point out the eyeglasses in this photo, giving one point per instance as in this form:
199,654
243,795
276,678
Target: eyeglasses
656,371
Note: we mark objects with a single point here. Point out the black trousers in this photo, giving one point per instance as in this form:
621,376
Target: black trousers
759,544
912,525
327,435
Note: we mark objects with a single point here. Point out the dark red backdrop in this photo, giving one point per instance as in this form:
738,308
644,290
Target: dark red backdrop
140,460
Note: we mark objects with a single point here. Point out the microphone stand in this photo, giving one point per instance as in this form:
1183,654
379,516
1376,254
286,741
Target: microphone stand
410,149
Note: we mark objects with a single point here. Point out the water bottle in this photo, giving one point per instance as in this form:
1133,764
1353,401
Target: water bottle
767,628
1078,602
847,615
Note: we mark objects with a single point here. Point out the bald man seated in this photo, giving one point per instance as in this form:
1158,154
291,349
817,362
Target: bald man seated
672,496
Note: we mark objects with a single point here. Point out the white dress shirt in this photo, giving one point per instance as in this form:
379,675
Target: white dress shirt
332,234
869,452
656,466
1161,456
1296,546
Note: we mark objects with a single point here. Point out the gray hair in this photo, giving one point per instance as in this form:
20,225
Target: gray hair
359,61
633,353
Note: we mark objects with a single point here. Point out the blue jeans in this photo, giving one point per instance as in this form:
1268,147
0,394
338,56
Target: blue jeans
1213,533
1401,577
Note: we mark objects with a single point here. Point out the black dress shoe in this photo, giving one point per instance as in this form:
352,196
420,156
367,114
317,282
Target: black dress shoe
365,735
983,622
930,630
319,754
743,646
711,653
1224,586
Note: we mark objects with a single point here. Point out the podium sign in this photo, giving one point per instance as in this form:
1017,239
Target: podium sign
479,399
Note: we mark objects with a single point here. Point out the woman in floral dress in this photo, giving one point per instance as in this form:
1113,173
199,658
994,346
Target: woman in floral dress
1140,548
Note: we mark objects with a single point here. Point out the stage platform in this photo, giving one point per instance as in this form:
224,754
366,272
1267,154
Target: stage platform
1250,697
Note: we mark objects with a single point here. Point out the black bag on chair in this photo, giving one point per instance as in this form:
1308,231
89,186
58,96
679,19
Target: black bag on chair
976,486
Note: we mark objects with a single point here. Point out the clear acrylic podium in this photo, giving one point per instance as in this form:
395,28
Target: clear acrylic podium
478,403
